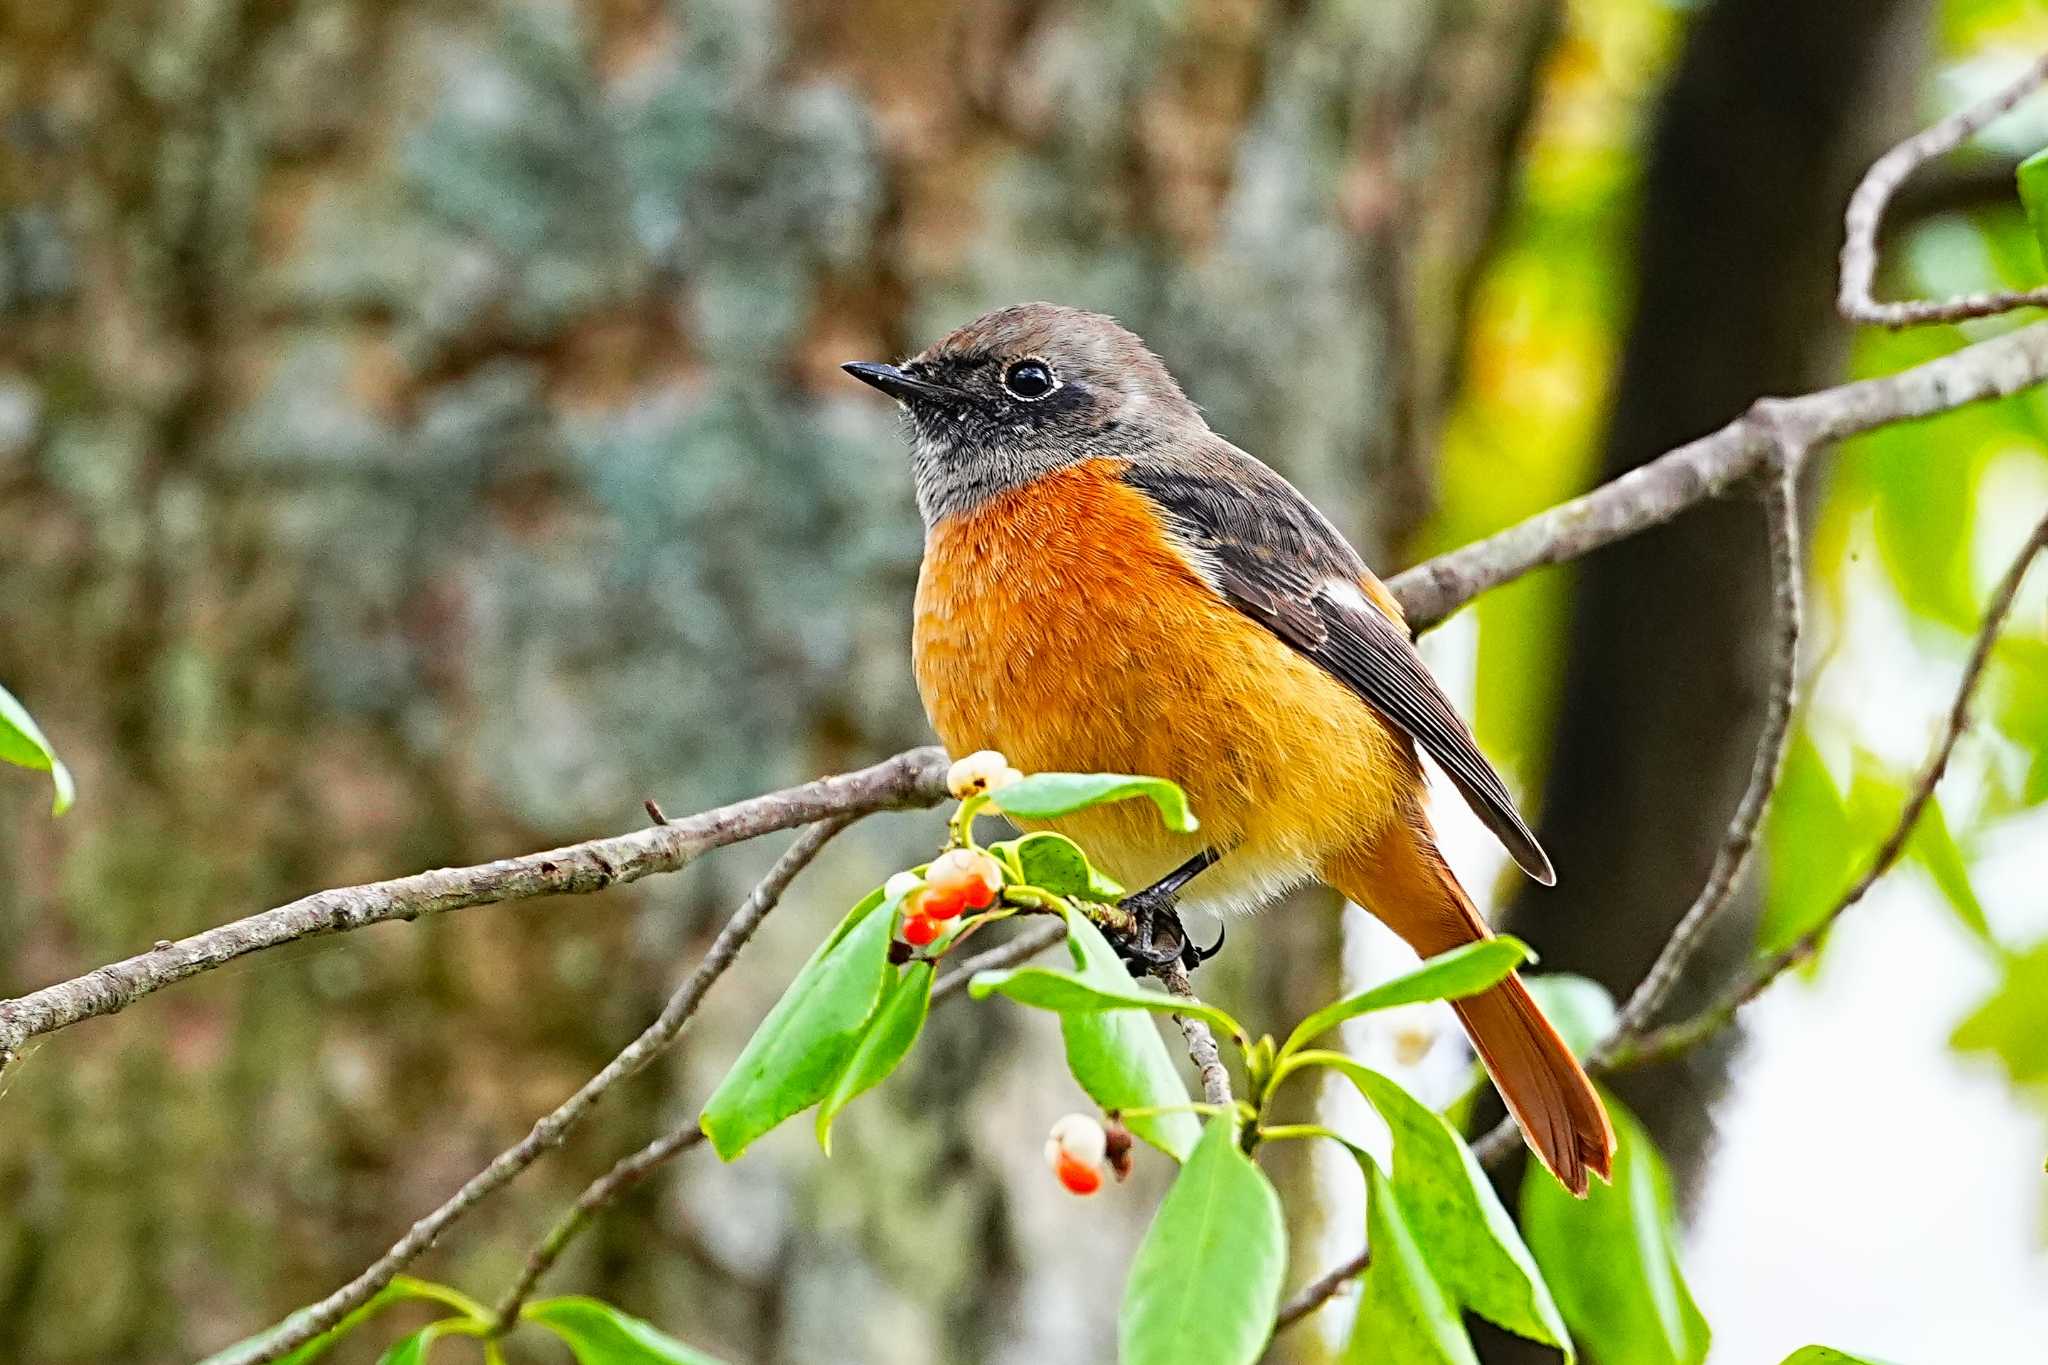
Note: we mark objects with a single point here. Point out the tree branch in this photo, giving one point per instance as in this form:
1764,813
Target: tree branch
631,1170
1866,212
912,779
1712,465
550,1131
1029,943
1202,1049
1676,1038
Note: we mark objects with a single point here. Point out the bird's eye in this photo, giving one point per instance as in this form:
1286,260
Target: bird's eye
1029,379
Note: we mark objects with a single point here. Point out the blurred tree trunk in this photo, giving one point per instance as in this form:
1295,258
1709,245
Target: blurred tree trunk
420,438
1774,111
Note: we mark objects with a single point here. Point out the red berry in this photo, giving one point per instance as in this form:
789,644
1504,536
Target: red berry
975,877
1078,1178
934,902
920,931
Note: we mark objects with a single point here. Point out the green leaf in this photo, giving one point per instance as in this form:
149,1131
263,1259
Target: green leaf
402,1289
1826,1355
2033,178
884,1044
23,744
1206,1282
1933,846
1578,1007
1055,863
413,1350
1811,842
1046,796
1117,1056
599,1334
1447,976
2013,1024
800,1048
1466,1237
1612,1260
1404,1315
1068,993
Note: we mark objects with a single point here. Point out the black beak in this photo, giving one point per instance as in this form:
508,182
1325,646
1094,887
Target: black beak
906,388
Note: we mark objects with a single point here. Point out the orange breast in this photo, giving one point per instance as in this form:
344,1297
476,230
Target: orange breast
1057,624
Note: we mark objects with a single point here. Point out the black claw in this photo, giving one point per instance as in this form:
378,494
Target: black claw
1195,956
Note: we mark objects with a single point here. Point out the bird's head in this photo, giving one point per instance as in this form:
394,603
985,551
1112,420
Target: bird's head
1023,392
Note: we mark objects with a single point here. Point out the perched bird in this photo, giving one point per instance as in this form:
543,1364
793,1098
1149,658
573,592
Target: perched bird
1110,586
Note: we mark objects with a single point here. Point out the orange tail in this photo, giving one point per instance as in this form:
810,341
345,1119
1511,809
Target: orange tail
1405,881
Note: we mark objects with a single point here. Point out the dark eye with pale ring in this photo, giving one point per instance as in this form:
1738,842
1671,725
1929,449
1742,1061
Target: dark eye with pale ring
1029,379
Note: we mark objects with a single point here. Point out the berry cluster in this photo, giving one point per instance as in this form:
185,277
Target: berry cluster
960,880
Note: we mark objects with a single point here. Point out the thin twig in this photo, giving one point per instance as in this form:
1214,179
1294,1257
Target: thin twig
1716,463
1781,512
601,1192
1320,1291
1731,860
631,1170
550,1131
915,778
1680,1036
1202,1049
1026,945
1866,213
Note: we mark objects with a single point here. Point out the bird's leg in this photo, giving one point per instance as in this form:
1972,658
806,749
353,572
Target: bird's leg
1152,908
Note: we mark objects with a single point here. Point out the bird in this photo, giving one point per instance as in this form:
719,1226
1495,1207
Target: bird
1108,585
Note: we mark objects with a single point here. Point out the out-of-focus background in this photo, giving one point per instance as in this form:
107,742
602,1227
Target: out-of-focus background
420,440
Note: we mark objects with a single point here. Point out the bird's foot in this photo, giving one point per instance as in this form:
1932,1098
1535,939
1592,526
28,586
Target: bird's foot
1158,938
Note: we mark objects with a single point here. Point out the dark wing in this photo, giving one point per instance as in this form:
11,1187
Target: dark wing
1274,557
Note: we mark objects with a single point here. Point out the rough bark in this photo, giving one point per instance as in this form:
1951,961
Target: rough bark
420,437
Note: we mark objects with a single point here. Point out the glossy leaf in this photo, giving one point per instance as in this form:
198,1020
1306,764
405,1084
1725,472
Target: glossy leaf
23,744
401,1290
1447,976
1578,1007
599,1334
1827,1355
1206,1282
1045,796
884,1043
799,1050
1404,1315
2013,1024
1612,1259
1057,864
1117,1056
2033,180
1466,1237
1069,993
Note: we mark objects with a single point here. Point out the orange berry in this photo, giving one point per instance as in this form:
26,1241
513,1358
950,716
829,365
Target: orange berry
934,902
975,877
920,931
1078,1179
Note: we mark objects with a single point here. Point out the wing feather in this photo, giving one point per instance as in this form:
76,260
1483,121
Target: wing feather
1268,551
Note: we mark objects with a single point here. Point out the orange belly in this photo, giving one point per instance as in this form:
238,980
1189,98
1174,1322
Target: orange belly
1056,624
